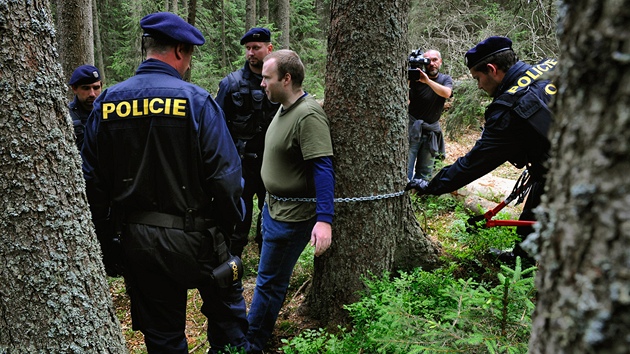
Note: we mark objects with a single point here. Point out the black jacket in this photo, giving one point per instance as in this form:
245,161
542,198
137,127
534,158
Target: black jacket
515,130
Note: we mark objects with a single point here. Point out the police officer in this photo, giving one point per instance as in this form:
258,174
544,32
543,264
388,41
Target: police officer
157,151
516,126
86,85
248,113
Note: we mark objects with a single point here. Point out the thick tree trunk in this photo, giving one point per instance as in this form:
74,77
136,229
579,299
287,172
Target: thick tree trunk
366,102
54,297
584,278
75,36
283,17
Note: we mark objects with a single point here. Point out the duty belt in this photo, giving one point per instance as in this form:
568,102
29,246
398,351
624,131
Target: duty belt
189,222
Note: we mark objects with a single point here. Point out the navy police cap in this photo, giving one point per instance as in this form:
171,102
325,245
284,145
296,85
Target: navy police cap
85,74
486,48
168,25
256,34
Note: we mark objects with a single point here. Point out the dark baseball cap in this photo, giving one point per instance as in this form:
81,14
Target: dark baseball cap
167,25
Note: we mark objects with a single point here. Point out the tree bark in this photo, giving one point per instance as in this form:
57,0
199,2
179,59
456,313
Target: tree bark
54,297
250,14
584,279
263,12
75,34
98,45
283,20
366,102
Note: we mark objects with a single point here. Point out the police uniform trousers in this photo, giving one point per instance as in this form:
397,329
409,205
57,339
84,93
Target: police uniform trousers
253,187
162,264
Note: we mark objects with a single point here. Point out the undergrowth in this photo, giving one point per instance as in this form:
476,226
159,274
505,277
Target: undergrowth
472,304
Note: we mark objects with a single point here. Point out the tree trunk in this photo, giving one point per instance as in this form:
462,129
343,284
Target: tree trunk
54,297
263,12
584,279
74,34
224,61
283,17
192,12
323,14
366,102
98,45
250,14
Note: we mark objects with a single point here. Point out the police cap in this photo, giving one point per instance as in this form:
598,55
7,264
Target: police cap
256,34
85,74
486,48
167,25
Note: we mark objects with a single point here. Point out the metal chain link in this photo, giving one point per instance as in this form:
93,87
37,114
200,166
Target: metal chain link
340,200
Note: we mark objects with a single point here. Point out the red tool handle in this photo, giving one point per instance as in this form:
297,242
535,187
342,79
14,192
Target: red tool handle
492,223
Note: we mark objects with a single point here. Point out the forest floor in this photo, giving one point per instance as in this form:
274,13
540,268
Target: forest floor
291,320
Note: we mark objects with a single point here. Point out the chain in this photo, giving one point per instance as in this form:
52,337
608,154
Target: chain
340,200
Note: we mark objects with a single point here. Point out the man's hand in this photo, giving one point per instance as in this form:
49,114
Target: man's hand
418,186
321,237
424,78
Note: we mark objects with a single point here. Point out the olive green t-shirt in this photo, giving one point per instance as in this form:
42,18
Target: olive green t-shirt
295,135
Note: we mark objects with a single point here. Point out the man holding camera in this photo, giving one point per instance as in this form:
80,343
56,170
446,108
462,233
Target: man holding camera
427,95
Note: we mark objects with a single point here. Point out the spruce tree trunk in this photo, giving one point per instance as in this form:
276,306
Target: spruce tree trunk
54,297
263,12
366,102
283,20
98,45
584,274
250,14
75,36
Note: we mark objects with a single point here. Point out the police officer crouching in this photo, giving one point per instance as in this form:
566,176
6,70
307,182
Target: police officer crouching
161,167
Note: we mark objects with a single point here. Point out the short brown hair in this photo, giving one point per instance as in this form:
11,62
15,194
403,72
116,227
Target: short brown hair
288,61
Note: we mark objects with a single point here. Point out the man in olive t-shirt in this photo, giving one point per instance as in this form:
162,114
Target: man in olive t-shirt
298,175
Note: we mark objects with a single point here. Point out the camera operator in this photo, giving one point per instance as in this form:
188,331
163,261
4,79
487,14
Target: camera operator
426,103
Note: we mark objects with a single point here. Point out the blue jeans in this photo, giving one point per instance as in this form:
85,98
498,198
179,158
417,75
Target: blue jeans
283,242
420,159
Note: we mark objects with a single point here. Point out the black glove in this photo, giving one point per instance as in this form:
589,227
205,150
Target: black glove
418,185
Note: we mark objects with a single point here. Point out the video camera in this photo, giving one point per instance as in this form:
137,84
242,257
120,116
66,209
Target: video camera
416,63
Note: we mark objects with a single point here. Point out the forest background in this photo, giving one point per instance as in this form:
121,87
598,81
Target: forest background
452,27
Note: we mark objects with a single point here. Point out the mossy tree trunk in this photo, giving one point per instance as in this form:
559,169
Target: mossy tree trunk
54,296
366,102
584,276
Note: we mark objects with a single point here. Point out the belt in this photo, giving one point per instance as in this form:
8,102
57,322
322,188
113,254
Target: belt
187,223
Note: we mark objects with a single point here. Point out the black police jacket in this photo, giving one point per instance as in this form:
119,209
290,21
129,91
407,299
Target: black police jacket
156,143
247,109
79,117
515,130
